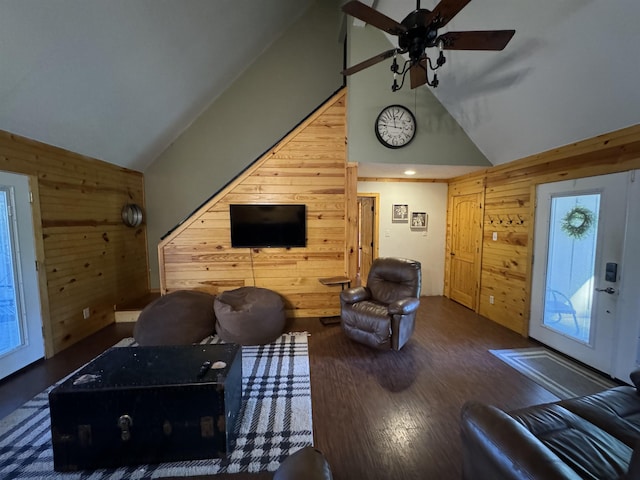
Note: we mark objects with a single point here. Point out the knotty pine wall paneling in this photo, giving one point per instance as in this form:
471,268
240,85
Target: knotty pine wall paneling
308,167
510,207
505,267
88,257
352,226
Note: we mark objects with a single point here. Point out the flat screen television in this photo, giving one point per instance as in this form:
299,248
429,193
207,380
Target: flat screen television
259,226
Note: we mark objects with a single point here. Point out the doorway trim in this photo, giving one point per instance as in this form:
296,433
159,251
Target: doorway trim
376,227
47,327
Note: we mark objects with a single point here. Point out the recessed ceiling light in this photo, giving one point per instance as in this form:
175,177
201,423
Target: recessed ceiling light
409,172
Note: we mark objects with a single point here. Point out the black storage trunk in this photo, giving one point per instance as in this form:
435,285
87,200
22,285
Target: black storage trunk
136,405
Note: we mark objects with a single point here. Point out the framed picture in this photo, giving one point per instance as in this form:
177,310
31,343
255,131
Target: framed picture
418,221
400,213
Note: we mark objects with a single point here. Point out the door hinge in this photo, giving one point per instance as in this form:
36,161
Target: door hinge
37,266
30,197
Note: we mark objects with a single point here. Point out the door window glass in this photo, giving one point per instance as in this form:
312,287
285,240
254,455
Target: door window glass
571,259
10,334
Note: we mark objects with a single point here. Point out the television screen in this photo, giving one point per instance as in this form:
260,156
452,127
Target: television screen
268,225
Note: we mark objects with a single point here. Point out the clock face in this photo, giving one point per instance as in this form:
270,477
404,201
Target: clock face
395,126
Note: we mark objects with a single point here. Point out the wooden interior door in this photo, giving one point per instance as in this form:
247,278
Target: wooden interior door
366,237
466,235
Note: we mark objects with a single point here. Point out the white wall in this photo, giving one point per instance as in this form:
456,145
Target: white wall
398,240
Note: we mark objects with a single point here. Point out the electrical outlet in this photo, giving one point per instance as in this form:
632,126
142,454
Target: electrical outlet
495,236
491,299
86,313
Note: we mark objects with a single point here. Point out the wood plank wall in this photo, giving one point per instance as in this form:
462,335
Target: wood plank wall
509,211
308,166
89,258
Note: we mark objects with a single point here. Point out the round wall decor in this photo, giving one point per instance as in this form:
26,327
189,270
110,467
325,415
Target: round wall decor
131,215
577,222
395,126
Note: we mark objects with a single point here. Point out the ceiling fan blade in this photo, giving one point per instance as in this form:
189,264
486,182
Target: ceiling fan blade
480,40
445,11
373,17
368,63
418,73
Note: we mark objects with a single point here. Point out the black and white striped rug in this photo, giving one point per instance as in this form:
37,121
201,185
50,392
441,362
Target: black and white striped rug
554,372
275,421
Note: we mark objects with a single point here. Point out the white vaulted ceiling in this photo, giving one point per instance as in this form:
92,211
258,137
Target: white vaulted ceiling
570,72
120,80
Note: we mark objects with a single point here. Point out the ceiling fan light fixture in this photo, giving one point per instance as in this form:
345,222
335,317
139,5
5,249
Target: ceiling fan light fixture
409,172
417,32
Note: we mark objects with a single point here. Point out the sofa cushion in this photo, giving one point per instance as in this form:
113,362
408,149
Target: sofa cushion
496,446
182,317
616,411
367,322
590,451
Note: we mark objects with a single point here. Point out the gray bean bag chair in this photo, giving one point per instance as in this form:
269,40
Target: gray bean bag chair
249,316
182,317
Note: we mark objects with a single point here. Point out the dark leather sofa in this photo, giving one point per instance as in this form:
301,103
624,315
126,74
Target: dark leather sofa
591,437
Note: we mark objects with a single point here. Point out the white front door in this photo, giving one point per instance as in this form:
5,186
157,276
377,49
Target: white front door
21,341
578,247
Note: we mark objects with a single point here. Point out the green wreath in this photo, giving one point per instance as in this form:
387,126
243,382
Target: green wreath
577,222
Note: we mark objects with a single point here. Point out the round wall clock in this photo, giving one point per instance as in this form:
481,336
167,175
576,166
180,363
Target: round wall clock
395,126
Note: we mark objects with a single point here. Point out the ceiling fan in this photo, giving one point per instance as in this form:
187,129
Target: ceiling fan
419,31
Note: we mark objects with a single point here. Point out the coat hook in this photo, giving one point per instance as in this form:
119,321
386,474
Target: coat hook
521,220
490,219
510,220
499,219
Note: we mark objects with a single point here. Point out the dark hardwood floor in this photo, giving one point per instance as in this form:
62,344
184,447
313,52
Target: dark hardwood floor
376,415
27,383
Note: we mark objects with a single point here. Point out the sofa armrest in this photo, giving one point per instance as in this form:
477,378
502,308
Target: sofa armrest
307,463
404,306
496,446
355,294
634,465
635,378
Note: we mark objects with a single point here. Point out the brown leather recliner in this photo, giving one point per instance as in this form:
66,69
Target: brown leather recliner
382,314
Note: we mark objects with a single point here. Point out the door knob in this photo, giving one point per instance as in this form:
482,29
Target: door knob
609,290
